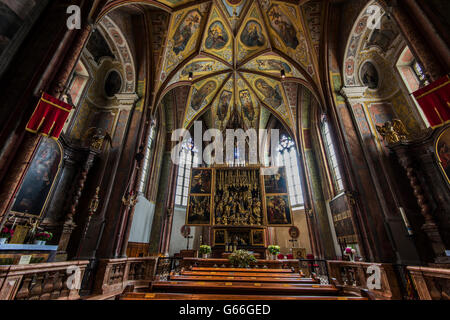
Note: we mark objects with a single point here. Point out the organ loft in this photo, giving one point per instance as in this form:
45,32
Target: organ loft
224,150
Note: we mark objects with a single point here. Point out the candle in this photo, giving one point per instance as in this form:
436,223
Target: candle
405,220
14,224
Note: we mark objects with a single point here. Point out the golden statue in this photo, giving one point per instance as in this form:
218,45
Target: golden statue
393,132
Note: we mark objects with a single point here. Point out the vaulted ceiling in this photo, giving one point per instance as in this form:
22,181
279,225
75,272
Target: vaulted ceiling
236,52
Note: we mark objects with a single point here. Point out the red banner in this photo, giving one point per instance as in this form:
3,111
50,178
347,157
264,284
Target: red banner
434,100
49,117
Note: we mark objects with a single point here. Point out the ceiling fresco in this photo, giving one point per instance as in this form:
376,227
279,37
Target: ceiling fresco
236,56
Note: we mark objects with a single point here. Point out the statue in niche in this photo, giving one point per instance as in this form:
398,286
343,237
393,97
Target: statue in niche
369,75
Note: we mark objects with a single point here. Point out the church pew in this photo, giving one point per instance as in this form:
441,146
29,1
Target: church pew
241,278
260,270
247,274
189,296
242,287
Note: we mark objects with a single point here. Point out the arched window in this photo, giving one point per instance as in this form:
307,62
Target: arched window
288,158
148,154
331,156
188,156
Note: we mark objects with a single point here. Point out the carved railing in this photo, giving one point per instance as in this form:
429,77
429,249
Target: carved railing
45,281
317,269
431,283
352,277
114,276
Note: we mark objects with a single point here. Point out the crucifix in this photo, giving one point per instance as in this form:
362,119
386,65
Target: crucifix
293,242
188,238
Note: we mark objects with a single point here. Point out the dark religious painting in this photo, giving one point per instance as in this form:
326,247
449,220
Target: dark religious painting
38,181
443,152
201,181
283,26
199,96
276,183
186,29
278,210
224,104
273,65
199,211
369,75
252,35
219,237
258,238
343,221
240,237
198,66
272,96
13,15
217,36
247,104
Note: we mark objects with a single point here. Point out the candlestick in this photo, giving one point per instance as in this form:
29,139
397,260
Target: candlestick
406,222
14,224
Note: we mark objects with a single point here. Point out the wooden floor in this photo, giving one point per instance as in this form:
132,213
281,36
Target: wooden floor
239,284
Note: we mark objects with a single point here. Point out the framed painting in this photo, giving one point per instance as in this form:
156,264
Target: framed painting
258,237
199,211
219,237
278,210
299,253
38,181
443,153
276,183
201,181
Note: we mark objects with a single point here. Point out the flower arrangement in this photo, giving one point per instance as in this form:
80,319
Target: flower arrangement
205,249
241,258
44,236
6,233
274,249
350,252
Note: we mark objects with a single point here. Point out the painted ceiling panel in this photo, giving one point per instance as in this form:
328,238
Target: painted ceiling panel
218,38
247,103
223,106
252,37
286,32
272,64
201,95
184,32
199,67
272,94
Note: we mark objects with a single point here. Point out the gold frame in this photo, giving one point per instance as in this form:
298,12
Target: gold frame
225,237
445,130
211,183
211,200
50,192
290,210
253,231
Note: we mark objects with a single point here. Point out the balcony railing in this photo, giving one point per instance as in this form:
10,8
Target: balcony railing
352,277
114,276
45,281
431,283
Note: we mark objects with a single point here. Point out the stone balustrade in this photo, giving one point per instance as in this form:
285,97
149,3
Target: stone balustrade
45,281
